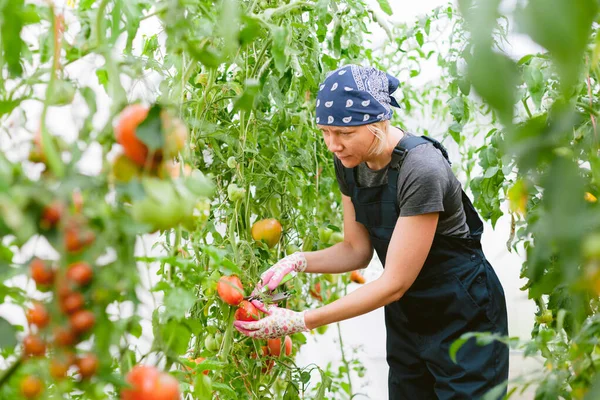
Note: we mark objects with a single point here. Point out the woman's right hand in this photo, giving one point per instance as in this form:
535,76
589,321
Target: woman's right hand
272,277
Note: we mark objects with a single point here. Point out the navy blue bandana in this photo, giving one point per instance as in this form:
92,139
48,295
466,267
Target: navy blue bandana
353,95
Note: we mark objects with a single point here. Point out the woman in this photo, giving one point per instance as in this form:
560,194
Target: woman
400,198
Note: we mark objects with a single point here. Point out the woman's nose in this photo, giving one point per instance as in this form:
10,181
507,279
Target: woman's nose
333,144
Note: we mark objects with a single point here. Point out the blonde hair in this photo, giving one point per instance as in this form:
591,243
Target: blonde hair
380,130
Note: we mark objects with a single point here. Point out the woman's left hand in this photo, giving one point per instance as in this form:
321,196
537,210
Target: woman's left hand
278,322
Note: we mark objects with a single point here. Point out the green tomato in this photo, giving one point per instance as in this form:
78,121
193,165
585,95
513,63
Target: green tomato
211,344
231,162
336,237
307,243
591,246
322,329
162,208
235,192
545,318
274,205
291,249
63,93
324,234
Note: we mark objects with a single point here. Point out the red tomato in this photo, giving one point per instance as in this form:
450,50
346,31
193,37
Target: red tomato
315,292
41,273
147,383
268,230
64,336
72,302
59,365
33,345
82,321
230,290
129,119
31,387
247,312
51,214
80,272
38,315
275,346
197,361
356,276
77,237
87,365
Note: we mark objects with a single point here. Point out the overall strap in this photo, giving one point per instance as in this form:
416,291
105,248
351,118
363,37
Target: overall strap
409,143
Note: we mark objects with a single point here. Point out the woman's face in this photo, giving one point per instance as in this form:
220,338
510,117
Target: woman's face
351,144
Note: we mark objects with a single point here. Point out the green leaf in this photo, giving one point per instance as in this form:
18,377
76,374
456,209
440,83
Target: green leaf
203,387
279,35
563,27
8,334
178,301
419,37
11,23
102,75
494,77
497,392
325,385
456,345
246,101
385,6
225,389
7,106
150,130
250,31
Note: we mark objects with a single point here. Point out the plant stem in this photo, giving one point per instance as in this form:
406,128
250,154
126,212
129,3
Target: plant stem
339,329
11,370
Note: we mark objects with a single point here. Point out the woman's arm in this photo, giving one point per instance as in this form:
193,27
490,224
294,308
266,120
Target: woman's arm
408,249
353,253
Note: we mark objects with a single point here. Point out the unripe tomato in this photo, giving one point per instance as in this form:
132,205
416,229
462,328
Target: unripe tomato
356,277
52,214
31,387
41,273
80,273
72,303
336,237
247,312
322,329
230,290
33,345
268,230
234,192
82,321
275,346
211,344
324,234
545,318
64,336
38,316
176,134
231,162
124,170
87,365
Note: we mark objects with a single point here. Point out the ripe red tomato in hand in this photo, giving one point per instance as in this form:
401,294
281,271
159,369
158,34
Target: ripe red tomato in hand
147,383
275,346
80,272
33,345
41,273
31,387
82,321
38,316
230,290
247,312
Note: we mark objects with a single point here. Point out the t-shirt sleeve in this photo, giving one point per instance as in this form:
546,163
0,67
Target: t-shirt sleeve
341,178
422,182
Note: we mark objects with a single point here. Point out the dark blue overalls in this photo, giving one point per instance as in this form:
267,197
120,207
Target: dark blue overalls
457,291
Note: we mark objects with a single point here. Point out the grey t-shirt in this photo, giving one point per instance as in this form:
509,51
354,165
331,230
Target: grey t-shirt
426,184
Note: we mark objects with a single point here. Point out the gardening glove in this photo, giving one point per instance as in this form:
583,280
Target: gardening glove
278,322
272,277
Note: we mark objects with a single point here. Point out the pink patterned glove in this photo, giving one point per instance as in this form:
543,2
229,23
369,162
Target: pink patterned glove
278,322
273,276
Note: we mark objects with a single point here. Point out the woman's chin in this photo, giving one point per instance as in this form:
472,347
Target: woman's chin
348,162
